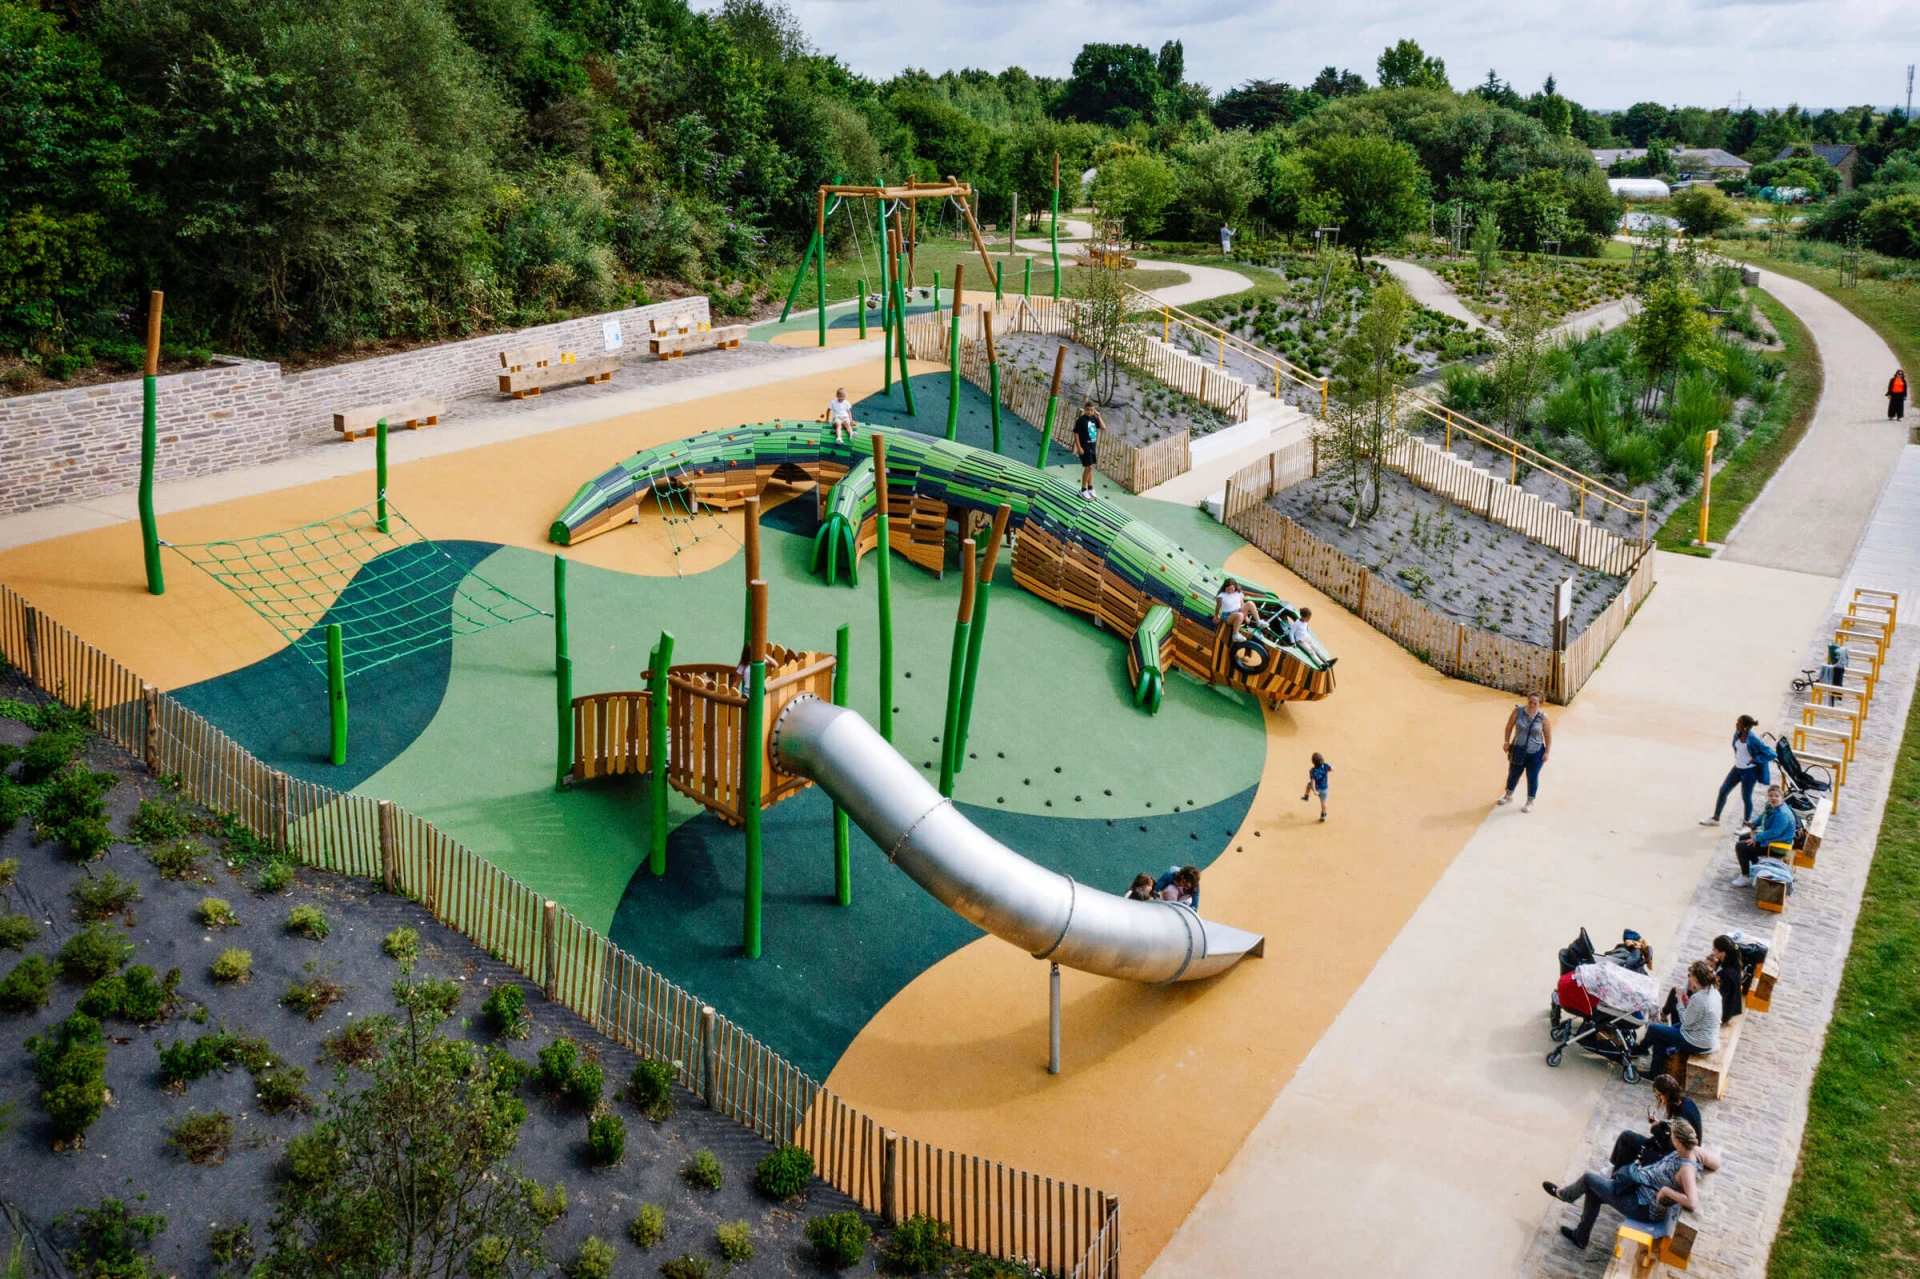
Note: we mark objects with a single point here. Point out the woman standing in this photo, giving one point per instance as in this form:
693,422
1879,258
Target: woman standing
1528,741
1897,396
1751,758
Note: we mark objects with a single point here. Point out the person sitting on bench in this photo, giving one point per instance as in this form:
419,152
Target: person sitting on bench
1233,607
1670,1103
1775,825
1648,1193
1699,1030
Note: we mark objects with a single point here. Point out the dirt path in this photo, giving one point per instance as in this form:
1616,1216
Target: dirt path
1812,513
1430,291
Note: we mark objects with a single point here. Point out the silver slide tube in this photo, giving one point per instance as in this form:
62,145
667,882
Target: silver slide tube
1041,911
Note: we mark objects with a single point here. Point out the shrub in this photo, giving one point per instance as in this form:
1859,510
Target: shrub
311,997
91,955
839,1239
705,1171
9,867
784,1173
233,965
230,1245
595,1260
359,1043
566,1076
86,838
686,1266
509,1071
434,999
584,1089
70,1062
650,1088
275,876
132,996
17,931
49,751
650,1227
103,896
283,1090
403,944
547,1206
177,859
111,1239
202,1139
308,921
28,986
506,1011
217,912
606,1139
313,1157
160,821
918,1244
735,1241
183,1062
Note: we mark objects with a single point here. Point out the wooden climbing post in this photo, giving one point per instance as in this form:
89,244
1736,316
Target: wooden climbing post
886,585
842,836
1053,399
957,668
982,592
750,546
953,356
150,447
389,848
657,752
550,950
753,755
993,377
150,705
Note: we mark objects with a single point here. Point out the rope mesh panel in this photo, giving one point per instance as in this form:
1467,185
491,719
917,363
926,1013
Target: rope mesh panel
392,593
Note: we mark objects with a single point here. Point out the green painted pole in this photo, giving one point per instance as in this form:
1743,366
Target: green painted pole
957,669
753,751
900,337
1053,406
993,377
149,449
337,692
799,277
936,288
563,676
886,326
842,836
983,591
1056,227
380,469
885,549
886,296
953,357
657,752
997,273
863,308
820,281
1026,284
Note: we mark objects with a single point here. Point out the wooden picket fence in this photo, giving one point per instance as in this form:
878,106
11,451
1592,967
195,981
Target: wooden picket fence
1065,1229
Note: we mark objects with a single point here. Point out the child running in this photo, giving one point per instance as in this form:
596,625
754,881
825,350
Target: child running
1317,781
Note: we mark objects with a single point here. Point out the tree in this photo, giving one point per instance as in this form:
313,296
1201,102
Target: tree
1112,84
1892,226
1217,180
1379,186
412,1177
1262,104
1669,331
1556,117
1533,208
1102,326
1642,121
1338,84
1406,66
1518,350
1593,210
1362,404
1486,246
1703,210
1287,198
1136,187
1172,65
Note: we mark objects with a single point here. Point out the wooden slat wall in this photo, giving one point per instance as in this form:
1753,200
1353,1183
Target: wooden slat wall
1071,1230
1586,651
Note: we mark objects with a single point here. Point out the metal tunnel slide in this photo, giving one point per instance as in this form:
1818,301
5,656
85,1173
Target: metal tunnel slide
982,880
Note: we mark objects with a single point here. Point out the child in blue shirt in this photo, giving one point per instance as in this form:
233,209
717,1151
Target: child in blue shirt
1317,781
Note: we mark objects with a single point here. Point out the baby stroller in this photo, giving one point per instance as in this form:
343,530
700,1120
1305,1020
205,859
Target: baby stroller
1577,1017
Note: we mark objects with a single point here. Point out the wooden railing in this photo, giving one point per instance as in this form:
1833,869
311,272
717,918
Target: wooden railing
610,734
1065,1229
705,719
1284,370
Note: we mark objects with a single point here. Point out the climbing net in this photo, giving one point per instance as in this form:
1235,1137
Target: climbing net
686,518
391,590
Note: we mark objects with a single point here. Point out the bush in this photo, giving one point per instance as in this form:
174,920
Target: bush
110,1240
233,965
103,896
606,1139
839,1239
49,751
17,932
132,996
9,867
70,1063
547,1206
230,1245
686,1266
308,921
182,1062
28,986
595,1260
310,998
283,1090
506,1011
360,1042
217,912
312,1157
918,1244
91,955
735,1240
160,821
705,1171
509,1071
86,838
784,1173
650,1088
403,944
178,859
435,999
1892,226
650,1227
564,1075
202,1139
275,876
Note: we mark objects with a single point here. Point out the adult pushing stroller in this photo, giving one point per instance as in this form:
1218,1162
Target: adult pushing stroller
1602,1002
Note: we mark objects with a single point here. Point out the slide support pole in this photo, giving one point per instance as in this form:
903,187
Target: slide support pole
886,586
1053,407
753,747
337,692
982,592
380,469
842,837
150,447
657,752
953,358
957,668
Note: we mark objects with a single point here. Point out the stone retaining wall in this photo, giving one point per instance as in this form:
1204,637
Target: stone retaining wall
68,446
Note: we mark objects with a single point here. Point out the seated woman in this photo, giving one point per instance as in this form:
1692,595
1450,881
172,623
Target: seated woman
1670,1103
1646,1193
1142,889
1233,607
1180,884
1699,1030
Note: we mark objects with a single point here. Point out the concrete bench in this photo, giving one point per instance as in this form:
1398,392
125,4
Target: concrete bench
1638,1247
413,414
532,369
1760,996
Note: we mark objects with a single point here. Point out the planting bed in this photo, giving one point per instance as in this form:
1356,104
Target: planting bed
1559,287
1145,410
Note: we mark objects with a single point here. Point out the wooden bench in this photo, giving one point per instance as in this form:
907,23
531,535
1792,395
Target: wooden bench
413,415
1638,1248
532,369
671,346
1770,894
1713,1067
1760,996
1809,849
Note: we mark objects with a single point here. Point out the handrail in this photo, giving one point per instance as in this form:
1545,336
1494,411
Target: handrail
1577,481
1281,366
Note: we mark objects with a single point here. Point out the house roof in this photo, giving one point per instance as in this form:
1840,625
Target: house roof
1833,155
1688,159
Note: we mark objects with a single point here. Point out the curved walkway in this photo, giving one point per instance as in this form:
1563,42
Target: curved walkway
1430,291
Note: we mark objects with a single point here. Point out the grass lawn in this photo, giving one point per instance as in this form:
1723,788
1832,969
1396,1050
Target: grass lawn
1892,311
1854,1209
1753,463
942,255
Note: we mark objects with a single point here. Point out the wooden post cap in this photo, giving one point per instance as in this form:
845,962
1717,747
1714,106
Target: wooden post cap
154,300
759,592
967,569
986,320
1059,366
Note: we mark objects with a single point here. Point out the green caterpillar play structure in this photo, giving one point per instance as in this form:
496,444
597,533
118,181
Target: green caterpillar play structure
1084,555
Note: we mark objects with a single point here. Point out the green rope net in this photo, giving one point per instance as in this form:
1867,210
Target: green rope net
391,590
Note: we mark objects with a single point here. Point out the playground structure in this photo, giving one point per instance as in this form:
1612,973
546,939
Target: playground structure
1108,247
1088,557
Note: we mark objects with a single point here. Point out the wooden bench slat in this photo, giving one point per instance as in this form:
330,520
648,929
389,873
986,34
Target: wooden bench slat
412,414
1760,998
531,381
671,346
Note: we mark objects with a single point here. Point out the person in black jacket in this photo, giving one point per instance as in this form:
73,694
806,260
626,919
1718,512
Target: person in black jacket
1670,1102
1730,975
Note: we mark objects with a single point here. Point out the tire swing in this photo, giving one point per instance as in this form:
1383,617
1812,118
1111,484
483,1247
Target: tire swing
1248,655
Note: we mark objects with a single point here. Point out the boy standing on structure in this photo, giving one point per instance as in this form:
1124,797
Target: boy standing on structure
840,415
1317,777
1086,438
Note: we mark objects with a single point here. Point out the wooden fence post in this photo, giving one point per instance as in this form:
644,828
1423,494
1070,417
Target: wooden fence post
550,950
281,820
32,618
1360,608
710,1057
150,705
389,872
890,1179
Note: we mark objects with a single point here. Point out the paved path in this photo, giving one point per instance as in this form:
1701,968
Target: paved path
1813,511
1430,291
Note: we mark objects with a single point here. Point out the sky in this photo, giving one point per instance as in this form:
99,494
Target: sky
1818,53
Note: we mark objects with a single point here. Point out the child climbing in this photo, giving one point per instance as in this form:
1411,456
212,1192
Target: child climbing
1086,439
840,415
1317,782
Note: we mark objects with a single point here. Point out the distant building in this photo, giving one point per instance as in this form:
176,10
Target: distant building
1701,162
1841,158
1638,188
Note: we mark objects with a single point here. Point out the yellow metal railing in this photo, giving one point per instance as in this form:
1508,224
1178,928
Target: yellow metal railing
1283,370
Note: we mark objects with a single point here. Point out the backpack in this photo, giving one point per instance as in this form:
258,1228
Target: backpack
1751,955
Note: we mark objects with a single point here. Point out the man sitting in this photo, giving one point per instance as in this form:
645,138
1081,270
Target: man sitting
1774,825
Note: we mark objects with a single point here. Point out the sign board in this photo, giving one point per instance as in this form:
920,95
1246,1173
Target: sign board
1563,601
611,330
